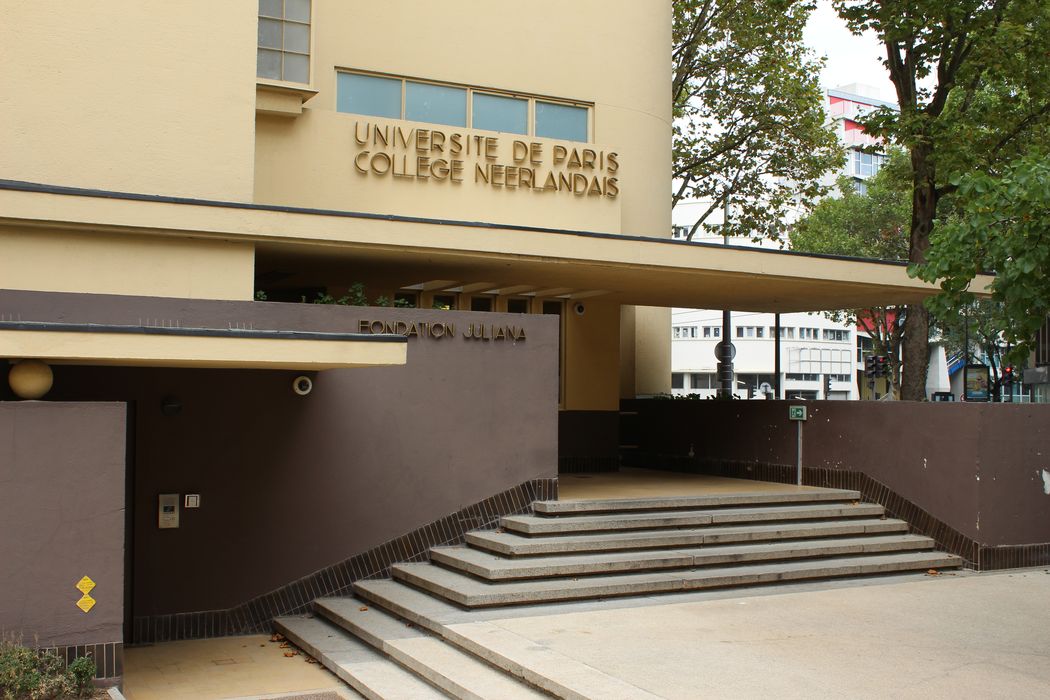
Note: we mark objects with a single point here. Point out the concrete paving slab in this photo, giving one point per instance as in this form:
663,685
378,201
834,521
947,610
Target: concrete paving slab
967,636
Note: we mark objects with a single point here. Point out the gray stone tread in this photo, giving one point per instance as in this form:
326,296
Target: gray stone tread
493,567
560,675
541,524
456,672
362,668
512,544
713,500
470,592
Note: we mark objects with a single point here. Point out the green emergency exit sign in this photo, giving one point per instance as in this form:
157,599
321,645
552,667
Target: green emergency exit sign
797,412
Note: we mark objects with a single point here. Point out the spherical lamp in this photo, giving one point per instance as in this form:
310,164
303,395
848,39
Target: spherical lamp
30,379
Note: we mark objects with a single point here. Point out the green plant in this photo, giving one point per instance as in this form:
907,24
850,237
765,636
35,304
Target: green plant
383,300
260,295
83,672
404,304
39,675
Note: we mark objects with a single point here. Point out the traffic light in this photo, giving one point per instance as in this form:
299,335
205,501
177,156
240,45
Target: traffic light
869,366
882,366
827,386
1008,376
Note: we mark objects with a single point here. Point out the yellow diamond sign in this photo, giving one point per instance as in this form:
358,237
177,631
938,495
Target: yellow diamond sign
86,602
85,585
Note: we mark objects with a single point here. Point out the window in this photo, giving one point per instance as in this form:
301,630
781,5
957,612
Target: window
496,113
677,380
481,303
865,164
701,381
803,377
557,121
394,97
445,301
408,300
759,331
435,104
836,335
712,331
809,333
369,95
785,332
284,40
517,306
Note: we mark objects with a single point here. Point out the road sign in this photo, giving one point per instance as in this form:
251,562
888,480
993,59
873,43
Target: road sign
796,413
719,350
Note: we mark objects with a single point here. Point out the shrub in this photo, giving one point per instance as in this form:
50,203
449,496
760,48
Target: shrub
27,674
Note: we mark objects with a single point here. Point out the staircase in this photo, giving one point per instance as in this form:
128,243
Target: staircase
430,618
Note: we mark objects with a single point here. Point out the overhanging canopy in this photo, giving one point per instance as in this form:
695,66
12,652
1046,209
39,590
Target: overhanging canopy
484,256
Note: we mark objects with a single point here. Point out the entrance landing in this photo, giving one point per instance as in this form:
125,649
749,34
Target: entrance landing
641,483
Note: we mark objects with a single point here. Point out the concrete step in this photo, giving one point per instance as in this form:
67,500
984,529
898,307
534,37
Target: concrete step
458,673
513,544
496,568
609,505
559,675
470,592
546,525
362,668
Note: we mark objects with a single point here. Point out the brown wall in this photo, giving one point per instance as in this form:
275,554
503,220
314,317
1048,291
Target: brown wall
976,467
61,518
291,484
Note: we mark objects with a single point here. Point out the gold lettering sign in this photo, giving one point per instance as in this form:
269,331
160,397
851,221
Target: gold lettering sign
384,150
438,330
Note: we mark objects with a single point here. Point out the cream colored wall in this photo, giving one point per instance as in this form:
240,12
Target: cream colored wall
84,261
614,54
591,359
130,95
652,335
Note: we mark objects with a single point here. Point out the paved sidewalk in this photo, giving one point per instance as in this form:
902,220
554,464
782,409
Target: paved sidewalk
963,636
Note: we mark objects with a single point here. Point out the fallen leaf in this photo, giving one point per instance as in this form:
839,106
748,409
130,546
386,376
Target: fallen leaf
933,572
290,654
277,637
284,645
363,608
311,661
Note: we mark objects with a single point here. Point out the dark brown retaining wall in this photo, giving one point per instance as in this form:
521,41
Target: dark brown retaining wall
974,472
62,518
293,486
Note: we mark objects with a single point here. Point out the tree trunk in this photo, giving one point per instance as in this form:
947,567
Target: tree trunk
916,342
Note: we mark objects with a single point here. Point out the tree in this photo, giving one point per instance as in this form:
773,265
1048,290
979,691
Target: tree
1003,225
872,224
749,128
970,82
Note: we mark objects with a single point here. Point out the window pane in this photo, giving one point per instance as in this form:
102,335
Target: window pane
500,113
297,38
268,64
561,121
517,306
435,104
270,33
299,10
296,68
270,8
481,303
366,94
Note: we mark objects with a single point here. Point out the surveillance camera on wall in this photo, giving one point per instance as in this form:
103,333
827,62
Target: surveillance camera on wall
302,385
579,309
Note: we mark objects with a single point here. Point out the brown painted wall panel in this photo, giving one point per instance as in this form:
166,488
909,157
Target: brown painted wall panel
292,484
61,518
977,467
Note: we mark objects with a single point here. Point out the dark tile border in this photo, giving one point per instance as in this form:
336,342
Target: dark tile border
256,615
108,657
977,556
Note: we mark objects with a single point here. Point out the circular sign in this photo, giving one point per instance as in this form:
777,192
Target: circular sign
720,352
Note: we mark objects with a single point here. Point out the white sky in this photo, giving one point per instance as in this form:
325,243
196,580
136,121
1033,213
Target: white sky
850,59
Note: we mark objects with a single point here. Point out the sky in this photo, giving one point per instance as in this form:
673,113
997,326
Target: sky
850,58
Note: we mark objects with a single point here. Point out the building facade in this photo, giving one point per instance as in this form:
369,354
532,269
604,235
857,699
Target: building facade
292,290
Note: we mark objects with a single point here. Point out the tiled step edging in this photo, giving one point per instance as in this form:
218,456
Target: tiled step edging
256,615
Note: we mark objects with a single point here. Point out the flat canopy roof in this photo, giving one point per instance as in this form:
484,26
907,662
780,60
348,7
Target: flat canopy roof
486,257
144,346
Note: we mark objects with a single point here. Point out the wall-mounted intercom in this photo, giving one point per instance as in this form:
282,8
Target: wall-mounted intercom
168,510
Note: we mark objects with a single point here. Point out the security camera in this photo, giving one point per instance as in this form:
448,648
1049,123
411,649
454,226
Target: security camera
302,385
579,309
